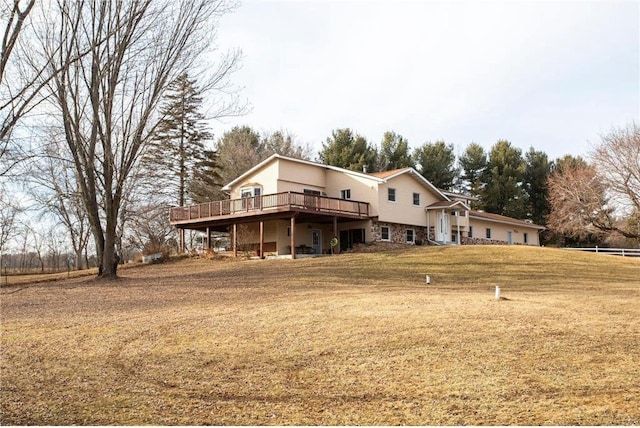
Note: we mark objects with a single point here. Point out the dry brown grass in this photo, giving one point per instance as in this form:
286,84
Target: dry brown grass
350,339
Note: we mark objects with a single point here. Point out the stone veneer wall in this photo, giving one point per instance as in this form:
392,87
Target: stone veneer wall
397,232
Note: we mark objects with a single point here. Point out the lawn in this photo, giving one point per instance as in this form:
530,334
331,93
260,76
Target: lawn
351,339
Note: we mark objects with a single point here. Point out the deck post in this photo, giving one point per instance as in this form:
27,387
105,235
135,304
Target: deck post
293,237
262,239
335,250
182,246
208,238
235,240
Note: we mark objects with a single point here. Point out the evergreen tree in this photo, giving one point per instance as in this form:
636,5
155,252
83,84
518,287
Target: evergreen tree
503,192
206,182
393,153
436,163
536,175
179,141
346,150
238,150
474,170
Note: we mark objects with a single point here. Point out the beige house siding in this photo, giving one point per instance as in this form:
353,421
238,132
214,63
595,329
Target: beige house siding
266,178
500,232
362,188
295,177
402,211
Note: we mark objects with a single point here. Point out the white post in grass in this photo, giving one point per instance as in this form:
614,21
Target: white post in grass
428,279
497,292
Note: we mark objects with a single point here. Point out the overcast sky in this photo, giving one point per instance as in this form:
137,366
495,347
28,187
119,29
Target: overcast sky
554,75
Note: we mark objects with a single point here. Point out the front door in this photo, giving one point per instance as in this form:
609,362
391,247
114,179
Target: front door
316,241
443,227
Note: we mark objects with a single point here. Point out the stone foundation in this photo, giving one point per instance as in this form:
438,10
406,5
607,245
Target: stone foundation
397,233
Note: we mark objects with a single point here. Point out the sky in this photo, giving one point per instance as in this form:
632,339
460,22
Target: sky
553,75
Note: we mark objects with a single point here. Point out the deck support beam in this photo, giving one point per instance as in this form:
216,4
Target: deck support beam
335,250
262,239
293,237
235,240
208,238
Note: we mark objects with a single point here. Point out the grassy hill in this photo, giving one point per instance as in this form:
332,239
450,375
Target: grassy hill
349,339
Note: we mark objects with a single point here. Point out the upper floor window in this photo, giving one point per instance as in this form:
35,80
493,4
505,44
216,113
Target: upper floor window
345,194
247,192
391,195
416,199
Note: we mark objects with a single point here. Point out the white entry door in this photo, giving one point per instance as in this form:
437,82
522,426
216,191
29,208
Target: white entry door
316,241
444,227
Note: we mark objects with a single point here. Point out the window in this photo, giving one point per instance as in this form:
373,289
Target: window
391,195
288,231
416,199
470,232
526,238
385,233
411,239
311,192
345,194
488,233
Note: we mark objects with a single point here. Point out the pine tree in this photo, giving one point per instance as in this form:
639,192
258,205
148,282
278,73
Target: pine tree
436,163
346,150
474,170
180,140
503,192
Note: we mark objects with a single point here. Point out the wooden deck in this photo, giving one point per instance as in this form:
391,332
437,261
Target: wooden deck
267,204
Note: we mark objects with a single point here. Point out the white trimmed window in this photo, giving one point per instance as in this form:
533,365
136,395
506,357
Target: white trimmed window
411,236
526,238
470,232
488,233
345,194
391,195
385,233
416,199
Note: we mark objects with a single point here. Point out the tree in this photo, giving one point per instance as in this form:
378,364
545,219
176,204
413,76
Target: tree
503,192
579,206
436,163
473,164
108,100
53,186
346,150
394,153
179,141
617,159
603,197
17,94
238,150
283,143
536,175
206,182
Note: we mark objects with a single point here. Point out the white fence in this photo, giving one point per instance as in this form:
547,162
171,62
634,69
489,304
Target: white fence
624,252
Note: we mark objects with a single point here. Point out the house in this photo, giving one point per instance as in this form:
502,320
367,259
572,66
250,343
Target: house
286,206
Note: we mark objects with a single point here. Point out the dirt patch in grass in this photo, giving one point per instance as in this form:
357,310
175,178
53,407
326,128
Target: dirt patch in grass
352,339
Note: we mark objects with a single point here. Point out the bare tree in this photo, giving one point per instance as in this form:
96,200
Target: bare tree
54,187
578,202
617,159
8,219
108,100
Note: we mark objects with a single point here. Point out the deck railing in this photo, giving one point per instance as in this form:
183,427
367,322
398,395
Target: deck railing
272,202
